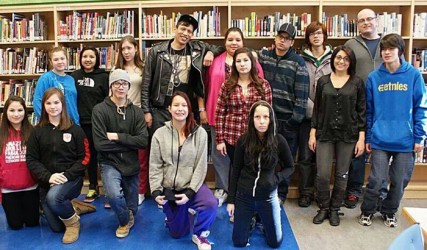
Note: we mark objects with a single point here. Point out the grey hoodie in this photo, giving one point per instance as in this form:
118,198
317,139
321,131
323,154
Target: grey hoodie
183,170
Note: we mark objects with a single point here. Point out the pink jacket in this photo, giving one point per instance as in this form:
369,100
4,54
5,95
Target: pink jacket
14,173
215,76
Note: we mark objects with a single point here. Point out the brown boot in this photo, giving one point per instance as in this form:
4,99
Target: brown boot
72,229
82,208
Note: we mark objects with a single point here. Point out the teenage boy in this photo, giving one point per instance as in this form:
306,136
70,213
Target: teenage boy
396,121
119,130
366,47
287,74
175,65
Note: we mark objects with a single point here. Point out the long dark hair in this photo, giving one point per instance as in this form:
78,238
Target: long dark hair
65,121
253,74
254,145
97,60
190,122
5,126
120,63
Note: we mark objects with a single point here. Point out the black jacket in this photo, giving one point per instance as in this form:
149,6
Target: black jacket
261,181
158,70
92,88
50,151
132,132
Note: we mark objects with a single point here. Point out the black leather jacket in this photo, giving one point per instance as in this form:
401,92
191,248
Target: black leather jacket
158,69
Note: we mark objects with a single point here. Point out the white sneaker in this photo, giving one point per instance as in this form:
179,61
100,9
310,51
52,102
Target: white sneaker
221,195
141,199
202,241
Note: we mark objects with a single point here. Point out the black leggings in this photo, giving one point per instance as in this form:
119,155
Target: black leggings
22,208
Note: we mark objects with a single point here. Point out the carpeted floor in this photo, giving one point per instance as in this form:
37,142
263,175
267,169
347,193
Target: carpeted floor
98,232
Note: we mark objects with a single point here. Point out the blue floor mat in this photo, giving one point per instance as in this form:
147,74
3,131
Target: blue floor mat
98,232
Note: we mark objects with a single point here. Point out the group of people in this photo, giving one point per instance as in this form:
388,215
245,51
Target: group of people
142,125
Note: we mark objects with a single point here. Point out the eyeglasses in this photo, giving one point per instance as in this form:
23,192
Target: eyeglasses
316,33
121,83
345,59
284,37
368,19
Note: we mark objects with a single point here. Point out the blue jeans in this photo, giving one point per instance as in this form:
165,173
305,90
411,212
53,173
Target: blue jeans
56,202
269,212
399,173
221,165
356,176
306,165
291,137
121,192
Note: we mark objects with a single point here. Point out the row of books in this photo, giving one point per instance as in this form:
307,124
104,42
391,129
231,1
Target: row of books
22,88
420,24
23,61
108,56
19,28
92,25
419,59
162,26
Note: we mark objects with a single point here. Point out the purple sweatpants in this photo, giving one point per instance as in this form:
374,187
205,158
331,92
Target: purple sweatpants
179,219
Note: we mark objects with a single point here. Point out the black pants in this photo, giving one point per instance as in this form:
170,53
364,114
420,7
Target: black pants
22,208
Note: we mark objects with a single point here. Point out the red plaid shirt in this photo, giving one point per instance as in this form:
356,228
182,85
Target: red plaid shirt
231,115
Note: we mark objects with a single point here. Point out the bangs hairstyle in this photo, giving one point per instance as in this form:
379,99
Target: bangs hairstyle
97,59
120,63
54,50
253,74
313,27
393,41
65,120
234,29
351,71
190,122
254,145
7,127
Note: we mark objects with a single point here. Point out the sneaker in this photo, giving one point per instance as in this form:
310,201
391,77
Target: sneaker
365,219
202,241
91,196
390,220
231,219
131,219
107,205
141,198
304,201
192,211
351,201
221,195
122,231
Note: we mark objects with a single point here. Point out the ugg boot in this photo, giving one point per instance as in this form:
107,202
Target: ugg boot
72,229
82,208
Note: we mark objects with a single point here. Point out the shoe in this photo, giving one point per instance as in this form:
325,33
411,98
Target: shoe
304,201
231,219
192,211
122,231
322,215
81,207
351,201
72,229
334,218
91,195
221,195
107,205
131,219
390,220
141,199
365,219
159,206
253,223
202,241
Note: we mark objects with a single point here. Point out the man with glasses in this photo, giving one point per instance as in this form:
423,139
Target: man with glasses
119,130
366,47
287,74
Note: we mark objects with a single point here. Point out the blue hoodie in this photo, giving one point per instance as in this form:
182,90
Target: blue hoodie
396,108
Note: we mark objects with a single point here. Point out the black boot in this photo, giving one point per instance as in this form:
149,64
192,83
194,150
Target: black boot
334,218
322,214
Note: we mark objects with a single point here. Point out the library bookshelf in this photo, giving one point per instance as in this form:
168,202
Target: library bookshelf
226,13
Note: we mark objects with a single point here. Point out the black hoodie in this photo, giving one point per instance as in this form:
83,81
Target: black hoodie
131,129
92,88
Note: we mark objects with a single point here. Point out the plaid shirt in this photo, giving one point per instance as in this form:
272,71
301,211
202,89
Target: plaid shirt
231,115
